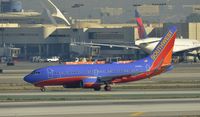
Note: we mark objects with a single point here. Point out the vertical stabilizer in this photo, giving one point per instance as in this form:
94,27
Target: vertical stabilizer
141,30
162,54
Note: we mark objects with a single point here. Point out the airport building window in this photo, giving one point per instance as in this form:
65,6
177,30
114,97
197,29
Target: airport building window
21,34
27,21
59,35
105,35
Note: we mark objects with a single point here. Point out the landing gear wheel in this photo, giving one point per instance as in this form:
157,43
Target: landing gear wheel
97,88
107,88
43,89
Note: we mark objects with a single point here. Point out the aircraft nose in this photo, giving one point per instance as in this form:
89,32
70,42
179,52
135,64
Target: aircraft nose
27,79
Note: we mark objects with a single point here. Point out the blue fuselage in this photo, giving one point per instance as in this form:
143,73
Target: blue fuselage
99,71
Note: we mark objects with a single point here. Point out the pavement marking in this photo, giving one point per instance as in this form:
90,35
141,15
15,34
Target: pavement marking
137,114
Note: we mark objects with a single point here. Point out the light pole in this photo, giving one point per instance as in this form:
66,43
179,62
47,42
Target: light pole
77,30
78,6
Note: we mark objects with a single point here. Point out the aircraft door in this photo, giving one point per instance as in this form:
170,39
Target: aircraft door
53,74
96,72
50,73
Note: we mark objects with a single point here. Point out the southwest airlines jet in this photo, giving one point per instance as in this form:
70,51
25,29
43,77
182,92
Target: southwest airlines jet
181,46
96,75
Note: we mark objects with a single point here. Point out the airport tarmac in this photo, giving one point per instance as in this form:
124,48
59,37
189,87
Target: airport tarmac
79,93
109,108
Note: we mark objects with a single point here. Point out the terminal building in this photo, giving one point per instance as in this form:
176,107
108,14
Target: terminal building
50,34
32,32
37,34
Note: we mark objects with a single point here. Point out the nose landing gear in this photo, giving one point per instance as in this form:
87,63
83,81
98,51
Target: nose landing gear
42,89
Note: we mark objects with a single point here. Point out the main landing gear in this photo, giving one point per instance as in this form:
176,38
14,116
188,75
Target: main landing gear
107,87
43,89
98,88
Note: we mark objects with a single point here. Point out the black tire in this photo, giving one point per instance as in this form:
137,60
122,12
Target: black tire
97,88
42,89
107,88
1,71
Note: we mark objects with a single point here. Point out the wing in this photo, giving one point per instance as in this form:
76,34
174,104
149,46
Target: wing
107,45
108,79
188,49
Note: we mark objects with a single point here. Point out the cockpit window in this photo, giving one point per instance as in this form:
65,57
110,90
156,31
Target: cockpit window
35,72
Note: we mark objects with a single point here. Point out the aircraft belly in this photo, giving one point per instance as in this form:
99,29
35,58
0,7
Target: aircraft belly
60,81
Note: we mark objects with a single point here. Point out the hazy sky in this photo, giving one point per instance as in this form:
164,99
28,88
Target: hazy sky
91,8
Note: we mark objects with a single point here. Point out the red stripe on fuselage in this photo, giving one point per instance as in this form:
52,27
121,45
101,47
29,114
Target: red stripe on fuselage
90,85
133,78
140,76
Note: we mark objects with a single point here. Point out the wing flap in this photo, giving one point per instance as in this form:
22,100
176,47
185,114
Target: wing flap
108,79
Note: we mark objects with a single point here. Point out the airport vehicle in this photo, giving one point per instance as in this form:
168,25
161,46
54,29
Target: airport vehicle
96,75
87,62
53,59
182,47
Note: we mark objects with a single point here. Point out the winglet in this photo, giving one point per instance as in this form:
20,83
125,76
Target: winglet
141,30
162,54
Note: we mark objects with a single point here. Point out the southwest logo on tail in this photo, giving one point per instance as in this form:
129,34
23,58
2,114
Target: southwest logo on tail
96,75
163,51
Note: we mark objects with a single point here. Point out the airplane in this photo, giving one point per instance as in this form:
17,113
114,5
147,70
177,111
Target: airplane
96,75
181,46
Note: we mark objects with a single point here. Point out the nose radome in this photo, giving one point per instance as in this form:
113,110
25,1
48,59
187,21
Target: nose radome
27,79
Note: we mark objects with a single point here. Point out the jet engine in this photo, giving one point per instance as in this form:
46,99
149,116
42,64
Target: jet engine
89,82
72,85
85,83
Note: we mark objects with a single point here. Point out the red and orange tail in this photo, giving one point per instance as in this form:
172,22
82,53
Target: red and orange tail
162,54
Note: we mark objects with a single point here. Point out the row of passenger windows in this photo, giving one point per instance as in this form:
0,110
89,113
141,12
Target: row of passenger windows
96,71
90,72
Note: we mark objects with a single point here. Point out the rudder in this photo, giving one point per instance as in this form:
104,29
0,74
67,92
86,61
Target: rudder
162,54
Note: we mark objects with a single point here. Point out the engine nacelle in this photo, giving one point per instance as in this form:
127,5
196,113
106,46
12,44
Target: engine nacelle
77,85
85,83
89,82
